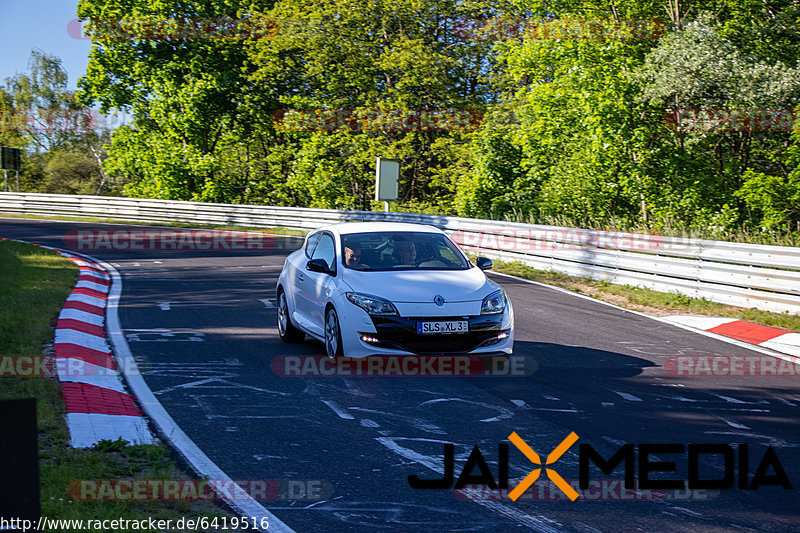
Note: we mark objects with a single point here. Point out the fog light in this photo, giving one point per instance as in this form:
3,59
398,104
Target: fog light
367,338
502,336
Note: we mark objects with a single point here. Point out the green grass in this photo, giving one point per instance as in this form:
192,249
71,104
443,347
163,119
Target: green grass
35,283
649,301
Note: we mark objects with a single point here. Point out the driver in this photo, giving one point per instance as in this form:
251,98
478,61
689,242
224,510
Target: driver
352,256
406,252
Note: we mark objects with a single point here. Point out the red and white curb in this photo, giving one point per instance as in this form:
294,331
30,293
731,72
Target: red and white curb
768,337
97,406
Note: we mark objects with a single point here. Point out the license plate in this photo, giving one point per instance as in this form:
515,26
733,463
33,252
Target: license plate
442,326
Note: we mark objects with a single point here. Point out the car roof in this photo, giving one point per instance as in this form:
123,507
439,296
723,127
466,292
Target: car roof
377,227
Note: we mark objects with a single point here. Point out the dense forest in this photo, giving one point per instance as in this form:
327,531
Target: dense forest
664,115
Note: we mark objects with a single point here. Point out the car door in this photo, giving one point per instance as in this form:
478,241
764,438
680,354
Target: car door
297,282
315,287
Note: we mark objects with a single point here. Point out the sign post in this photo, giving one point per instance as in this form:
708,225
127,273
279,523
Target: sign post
387,175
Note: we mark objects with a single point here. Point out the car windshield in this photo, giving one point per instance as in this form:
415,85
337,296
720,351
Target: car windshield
407,250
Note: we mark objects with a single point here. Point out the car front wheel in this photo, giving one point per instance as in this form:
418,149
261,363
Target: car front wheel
333,334
287,331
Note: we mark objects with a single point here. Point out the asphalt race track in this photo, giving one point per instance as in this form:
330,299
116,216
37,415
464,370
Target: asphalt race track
201,325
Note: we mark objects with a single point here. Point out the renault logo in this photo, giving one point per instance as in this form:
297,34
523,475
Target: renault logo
438,300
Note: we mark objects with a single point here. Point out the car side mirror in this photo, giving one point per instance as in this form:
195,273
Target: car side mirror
484,263
318,265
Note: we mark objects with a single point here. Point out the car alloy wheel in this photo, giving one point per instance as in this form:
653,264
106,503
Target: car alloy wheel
286,329
333,337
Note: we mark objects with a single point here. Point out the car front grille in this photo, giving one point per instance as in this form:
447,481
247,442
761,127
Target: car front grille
401,333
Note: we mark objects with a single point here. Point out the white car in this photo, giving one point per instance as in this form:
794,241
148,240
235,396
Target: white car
367,288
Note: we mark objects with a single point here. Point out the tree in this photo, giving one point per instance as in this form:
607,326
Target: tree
180,69
366,66
705,76
39,111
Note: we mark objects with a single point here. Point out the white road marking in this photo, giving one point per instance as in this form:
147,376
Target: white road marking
218,383
417,423
502,415
687,511
682,399
338,410
629,397
733,424
772,441
267,304
726,398
164,335
614,441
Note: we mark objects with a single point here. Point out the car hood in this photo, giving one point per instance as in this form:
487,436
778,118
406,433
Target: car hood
419,286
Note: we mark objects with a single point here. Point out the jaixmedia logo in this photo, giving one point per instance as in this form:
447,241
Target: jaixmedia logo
644,466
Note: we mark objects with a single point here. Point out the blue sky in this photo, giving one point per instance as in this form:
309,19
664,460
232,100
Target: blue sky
28,24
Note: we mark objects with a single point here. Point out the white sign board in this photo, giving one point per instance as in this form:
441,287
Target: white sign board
387,174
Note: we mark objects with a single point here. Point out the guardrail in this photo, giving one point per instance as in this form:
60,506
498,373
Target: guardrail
747,275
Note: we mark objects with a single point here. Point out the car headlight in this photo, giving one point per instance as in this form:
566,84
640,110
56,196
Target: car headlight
494,303
372,304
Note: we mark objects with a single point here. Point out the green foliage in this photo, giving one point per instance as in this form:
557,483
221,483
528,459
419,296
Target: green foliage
493,185
776,198
575,116
39,112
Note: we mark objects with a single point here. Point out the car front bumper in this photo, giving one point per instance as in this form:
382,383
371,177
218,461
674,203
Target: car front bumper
487,334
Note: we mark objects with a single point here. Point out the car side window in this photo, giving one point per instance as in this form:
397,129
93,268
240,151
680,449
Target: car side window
311,243
325,250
